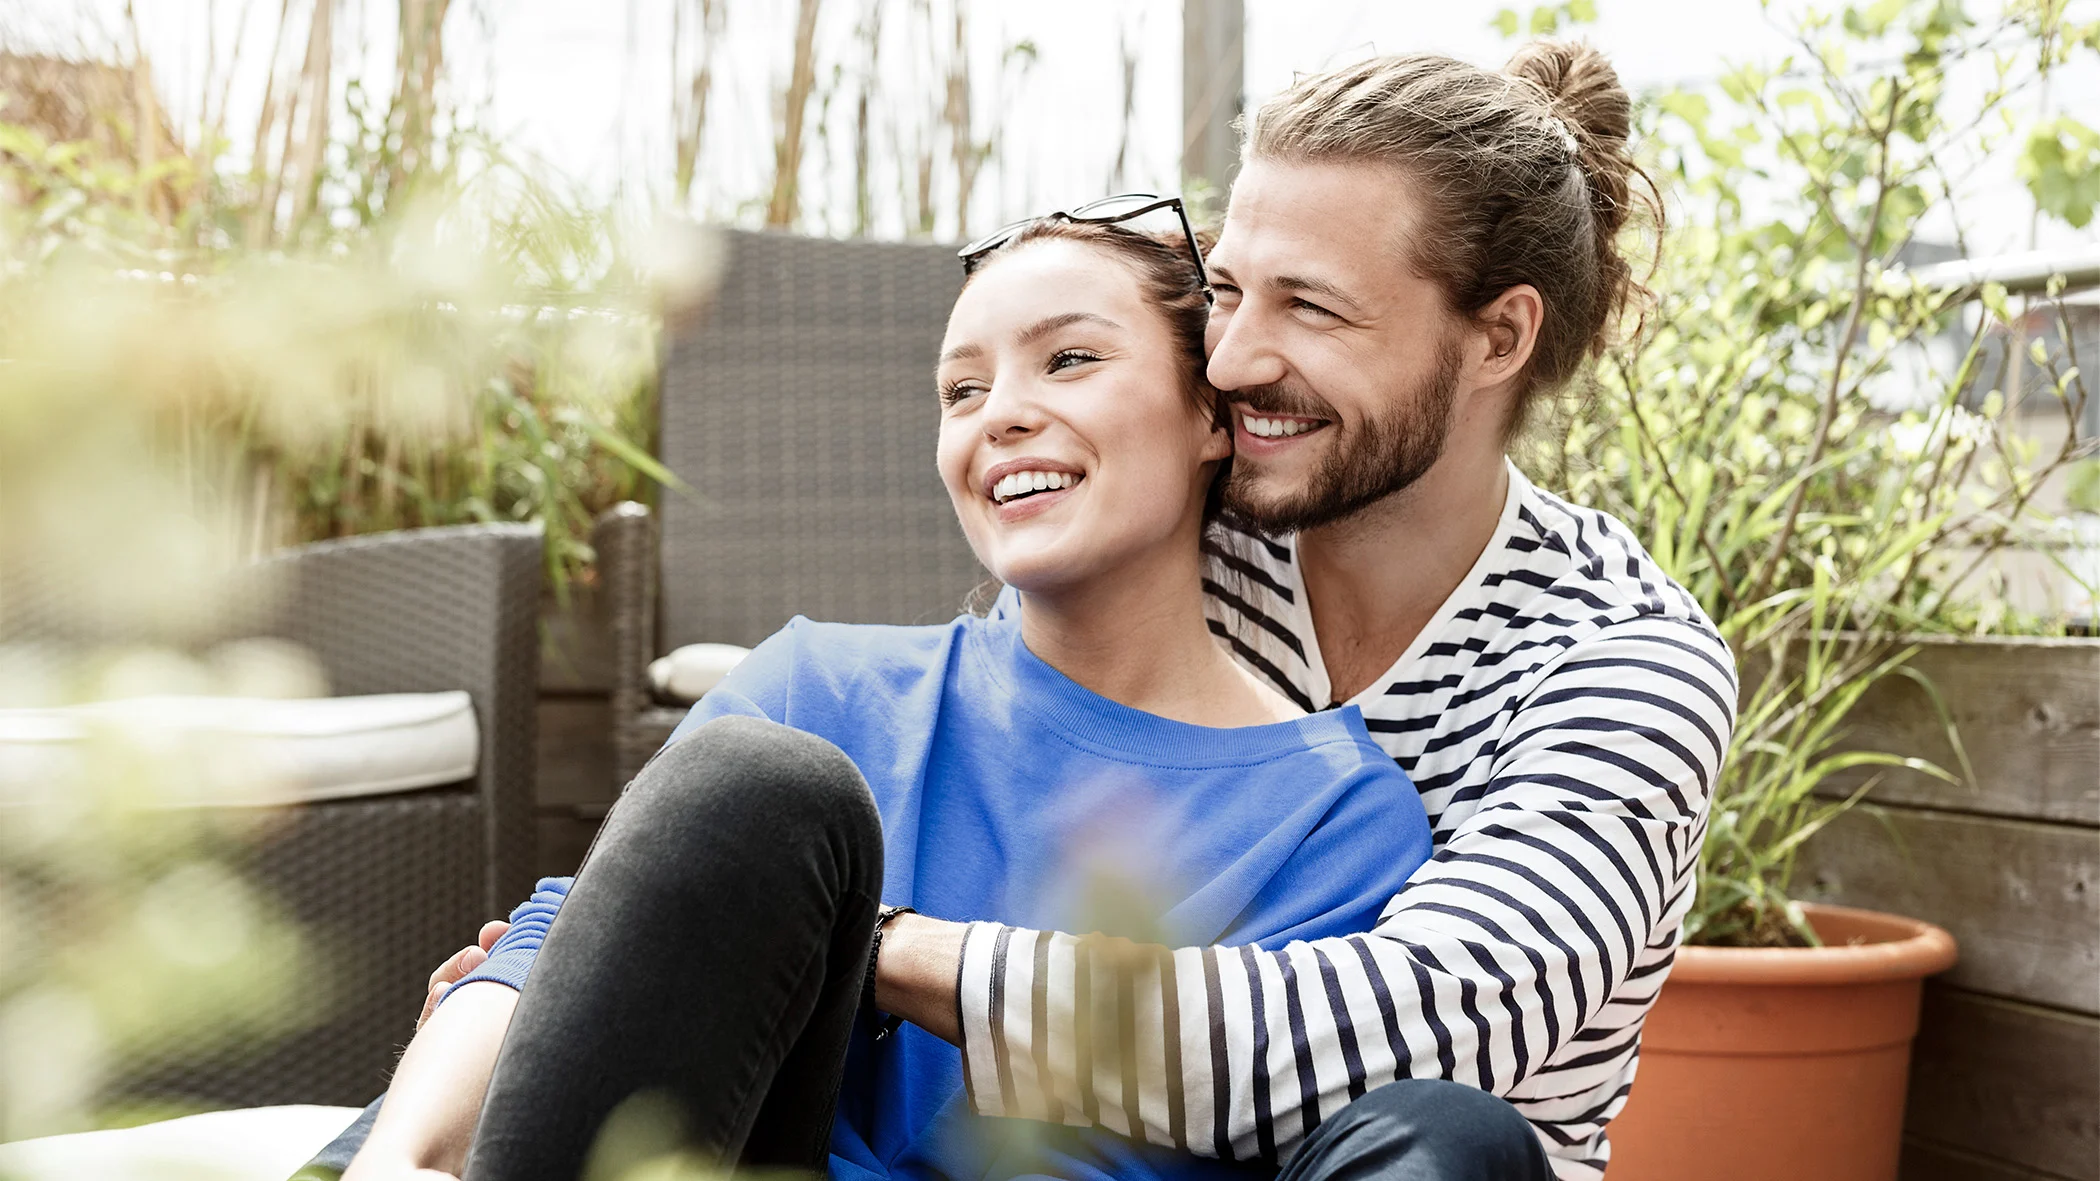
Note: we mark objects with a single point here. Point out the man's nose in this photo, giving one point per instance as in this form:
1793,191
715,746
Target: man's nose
1243,354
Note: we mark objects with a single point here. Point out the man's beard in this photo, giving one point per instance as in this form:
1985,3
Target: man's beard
1386,454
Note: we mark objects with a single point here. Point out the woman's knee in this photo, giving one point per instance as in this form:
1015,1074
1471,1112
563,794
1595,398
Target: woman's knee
756,779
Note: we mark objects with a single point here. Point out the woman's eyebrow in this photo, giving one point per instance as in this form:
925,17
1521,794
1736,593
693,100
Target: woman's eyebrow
1049,324
962,352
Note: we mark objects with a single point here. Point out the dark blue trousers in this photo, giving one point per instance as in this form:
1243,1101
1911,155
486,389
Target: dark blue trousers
1422,1130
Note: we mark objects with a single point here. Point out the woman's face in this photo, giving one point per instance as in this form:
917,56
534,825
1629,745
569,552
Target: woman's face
1068,441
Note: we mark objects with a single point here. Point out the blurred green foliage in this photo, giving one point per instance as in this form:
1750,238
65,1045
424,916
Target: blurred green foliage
550,408
2082,486
126,937
1545,20
198,365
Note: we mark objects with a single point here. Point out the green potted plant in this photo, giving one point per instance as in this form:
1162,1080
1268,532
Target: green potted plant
1810,441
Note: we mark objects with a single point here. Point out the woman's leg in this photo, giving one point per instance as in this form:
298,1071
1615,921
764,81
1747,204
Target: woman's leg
711,950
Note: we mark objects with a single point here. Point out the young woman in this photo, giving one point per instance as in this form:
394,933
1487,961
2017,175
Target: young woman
1002,768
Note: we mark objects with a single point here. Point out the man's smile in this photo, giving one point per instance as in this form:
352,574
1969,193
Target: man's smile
1268,433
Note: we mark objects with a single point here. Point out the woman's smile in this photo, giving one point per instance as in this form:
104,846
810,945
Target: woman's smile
1028,487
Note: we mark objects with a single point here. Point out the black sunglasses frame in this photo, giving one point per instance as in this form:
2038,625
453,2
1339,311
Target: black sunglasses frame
1005,233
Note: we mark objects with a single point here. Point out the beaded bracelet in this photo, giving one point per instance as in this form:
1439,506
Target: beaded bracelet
888,1022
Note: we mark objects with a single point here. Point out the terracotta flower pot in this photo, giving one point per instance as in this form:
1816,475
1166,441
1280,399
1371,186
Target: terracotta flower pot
1781,1064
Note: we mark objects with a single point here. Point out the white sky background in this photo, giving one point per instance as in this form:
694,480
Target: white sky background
585,84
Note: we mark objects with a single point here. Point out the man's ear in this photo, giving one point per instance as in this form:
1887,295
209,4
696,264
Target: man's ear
1509,326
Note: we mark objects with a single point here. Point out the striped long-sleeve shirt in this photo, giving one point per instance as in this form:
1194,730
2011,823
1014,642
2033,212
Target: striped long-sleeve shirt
1564,715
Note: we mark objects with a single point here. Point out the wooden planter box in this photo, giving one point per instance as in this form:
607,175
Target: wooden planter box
2005,1078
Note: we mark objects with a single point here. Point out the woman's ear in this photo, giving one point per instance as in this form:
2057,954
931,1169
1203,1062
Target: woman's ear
1217,443
1510,325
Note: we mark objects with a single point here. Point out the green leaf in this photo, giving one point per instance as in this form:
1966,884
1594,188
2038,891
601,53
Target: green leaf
628,453
2061,167
1689,106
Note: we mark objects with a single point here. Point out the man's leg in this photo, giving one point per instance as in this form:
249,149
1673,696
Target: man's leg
1422,1130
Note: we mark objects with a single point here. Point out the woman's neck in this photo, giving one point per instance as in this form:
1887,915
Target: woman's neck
1139,638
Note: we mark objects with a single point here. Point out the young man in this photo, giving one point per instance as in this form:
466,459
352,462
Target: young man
1415,252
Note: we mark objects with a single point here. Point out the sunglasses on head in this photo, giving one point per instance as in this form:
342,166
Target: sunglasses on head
1107,211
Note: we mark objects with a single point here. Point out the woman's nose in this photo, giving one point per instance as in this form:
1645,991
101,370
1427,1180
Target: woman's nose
1011,410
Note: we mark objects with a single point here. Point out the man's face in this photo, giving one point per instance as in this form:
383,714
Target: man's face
1341,363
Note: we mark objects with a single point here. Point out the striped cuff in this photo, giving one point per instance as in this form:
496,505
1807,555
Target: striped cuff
1087,1032
1017,1040
977,983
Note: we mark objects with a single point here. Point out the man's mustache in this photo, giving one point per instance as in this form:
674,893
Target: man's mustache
1284,400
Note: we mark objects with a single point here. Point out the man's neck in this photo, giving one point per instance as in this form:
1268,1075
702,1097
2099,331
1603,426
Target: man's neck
1375,580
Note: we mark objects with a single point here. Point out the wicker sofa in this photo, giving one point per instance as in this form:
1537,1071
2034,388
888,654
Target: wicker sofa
388,884
799,406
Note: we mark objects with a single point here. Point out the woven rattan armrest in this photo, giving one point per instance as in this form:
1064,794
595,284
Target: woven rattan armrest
624,539
385,886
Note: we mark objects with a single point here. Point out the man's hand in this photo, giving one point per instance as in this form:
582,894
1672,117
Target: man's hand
915,975
463,961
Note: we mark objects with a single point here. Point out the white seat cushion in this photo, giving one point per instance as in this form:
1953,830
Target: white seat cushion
254,1144
689,672
253,751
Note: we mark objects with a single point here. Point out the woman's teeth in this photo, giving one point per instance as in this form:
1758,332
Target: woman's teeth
1020,484
1277,428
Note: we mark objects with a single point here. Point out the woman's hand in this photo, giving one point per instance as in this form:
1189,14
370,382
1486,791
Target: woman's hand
463,961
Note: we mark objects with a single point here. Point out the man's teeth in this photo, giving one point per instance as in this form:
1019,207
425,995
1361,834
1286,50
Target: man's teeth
1023,483
1277,428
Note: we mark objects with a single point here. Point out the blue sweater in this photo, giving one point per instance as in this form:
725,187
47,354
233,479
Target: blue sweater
1010,793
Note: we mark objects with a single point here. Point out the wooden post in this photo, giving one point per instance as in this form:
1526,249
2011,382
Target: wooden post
1213,90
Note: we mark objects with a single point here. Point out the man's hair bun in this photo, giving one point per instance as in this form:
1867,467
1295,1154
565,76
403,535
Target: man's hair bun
1583,91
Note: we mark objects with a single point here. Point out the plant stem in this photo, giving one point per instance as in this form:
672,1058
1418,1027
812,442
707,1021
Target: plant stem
1862,283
